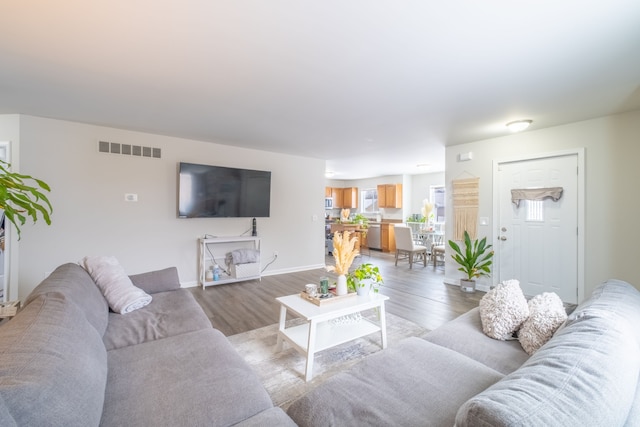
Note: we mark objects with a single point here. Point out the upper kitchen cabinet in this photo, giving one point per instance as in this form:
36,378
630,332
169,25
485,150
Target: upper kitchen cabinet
390,195
328,192
336,194
350,198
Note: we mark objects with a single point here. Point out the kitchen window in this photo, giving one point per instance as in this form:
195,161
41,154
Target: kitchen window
369,200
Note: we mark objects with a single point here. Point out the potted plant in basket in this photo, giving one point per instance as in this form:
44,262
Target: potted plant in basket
475,261
364,278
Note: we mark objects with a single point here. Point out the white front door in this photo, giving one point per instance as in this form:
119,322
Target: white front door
538,240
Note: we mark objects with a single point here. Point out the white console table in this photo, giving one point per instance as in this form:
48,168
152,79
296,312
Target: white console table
214,250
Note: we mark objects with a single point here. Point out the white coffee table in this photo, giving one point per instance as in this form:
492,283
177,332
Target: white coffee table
318,334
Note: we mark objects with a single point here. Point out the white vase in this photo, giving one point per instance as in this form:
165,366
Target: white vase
341,287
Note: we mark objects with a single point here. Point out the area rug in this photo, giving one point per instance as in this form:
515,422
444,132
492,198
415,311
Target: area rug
282,373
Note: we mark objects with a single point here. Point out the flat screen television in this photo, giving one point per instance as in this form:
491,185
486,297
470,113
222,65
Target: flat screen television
206,191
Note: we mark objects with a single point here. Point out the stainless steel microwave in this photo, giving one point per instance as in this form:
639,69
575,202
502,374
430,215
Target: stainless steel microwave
328,202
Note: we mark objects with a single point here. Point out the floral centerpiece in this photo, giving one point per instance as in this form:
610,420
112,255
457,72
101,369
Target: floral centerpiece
344,252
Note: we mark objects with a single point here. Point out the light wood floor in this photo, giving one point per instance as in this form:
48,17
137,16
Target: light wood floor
418,295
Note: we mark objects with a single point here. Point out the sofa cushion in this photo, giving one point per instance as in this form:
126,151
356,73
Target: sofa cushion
271,417
612,296
546,315
77,286
464,335
503,309
157,281
53,365
586,374
633,419
413,383
170,313
194,379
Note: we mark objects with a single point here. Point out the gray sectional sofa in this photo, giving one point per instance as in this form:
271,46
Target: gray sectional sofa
66,360
587,374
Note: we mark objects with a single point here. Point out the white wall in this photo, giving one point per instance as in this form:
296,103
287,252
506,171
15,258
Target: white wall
91,217
421,189
612,178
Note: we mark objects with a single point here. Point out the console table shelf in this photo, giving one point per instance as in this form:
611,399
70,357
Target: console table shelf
213,251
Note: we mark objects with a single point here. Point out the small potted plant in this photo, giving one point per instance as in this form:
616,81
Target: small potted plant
364,278
475,261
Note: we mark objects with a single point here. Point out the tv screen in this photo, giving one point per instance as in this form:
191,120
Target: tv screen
219,192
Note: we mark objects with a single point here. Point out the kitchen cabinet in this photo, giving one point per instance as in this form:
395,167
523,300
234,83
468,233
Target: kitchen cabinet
387,237
356,231
336,194
350,198
390,195
343,198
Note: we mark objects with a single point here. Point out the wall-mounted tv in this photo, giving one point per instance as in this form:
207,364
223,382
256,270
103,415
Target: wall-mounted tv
206,191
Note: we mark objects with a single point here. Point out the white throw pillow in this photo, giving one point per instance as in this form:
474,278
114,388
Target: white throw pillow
546,315
503,309
114,283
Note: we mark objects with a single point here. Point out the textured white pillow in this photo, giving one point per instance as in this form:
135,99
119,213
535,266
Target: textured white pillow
503,309
546,314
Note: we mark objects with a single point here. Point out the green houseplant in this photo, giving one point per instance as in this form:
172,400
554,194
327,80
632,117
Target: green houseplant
360,219
363,278
22,196
475,260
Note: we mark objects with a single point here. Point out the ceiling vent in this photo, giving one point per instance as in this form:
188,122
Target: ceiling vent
129,150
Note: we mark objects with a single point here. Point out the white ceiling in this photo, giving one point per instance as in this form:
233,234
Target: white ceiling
374,87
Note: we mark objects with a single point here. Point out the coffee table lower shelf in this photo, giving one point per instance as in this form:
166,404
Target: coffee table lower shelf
327,334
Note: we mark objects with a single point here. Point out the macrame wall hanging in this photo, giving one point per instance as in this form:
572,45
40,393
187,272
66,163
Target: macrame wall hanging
465,207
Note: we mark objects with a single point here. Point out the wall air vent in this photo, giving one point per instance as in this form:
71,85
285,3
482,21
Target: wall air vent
129,150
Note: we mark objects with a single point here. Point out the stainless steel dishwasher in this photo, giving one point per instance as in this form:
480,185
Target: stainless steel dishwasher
373,236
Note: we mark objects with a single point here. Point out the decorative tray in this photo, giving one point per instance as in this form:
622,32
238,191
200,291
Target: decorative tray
326,300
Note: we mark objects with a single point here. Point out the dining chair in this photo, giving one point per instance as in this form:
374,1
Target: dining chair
406,246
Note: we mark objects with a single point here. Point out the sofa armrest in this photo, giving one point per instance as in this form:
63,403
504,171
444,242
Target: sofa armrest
157,281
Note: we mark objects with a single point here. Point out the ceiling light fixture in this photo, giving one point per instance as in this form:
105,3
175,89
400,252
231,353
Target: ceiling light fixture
519,125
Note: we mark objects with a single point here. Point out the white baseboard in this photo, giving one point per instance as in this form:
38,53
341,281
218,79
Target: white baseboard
456,282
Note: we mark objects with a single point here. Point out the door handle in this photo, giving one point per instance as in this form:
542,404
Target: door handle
503,238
